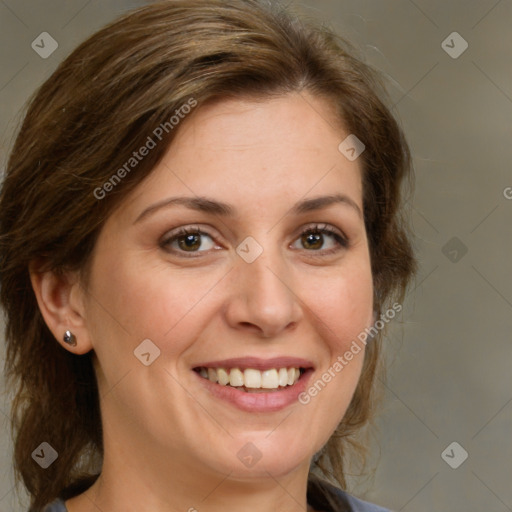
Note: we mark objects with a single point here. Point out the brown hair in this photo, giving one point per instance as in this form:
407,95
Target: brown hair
83,124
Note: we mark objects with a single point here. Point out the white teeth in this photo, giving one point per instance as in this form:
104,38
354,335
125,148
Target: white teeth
236,378
251,378
269,379
283,376
222,376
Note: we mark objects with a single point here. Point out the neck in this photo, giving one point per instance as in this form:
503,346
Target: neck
140,478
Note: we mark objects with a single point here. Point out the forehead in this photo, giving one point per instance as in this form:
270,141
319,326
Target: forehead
252,152
241,123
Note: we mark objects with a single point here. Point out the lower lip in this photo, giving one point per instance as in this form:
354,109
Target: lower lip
270,401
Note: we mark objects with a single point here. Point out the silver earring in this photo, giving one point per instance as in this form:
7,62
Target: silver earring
70,338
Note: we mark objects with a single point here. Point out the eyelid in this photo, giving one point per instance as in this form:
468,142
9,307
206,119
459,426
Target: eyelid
341,238
175,234
323,227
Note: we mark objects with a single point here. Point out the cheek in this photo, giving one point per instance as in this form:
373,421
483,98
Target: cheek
343,304
134,302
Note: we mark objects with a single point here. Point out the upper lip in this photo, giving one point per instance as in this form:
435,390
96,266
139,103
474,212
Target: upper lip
257,363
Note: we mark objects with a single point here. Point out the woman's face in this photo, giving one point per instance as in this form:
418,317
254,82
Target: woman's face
259,288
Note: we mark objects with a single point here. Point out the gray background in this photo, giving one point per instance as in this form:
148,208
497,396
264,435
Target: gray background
449,376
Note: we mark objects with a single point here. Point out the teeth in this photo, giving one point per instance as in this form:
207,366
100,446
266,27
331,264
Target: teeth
252,378
236,378
212,375
269,379
291,376
222,376
283,376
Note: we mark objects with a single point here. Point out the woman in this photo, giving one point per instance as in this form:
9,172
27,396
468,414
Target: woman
201,223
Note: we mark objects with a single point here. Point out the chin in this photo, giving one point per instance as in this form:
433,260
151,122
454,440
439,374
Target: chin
273,466
260,458
264,456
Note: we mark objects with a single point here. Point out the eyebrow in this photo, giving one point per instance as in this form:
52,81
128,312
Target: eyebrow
209,205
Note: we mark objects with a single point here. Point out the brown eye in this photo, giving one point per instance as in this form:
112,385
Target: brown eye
315,239
188,241
312,240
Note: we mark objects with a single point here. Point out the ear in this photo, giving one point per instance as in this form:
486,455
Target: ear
61,301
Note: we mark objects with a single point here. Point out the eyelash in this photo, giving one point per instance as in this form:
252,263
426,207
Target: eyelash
323,229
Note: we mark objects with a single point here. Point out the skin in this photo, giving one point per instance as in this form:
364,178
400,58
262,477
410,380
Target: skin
169,444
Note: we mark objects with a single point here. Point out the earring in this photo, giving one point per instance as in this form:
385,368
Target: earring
70,338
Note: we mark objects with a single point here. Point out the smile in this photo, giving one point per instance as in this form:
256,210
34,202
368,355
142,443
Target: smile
253,384
252,380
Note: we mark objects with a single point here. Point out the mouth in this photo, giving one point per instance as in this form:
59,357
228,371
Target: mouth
252,380
253,384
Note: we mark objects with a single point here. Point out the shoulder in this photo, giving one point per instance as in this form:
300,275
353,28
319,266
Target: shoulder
55,506
326,497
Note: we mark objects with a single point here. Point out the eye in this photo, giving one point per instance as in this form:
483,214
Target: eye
187,240
191,240
313,239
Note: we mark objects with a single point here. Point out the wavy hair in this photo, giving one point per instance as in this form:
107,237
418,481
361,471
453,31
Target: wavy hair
85,121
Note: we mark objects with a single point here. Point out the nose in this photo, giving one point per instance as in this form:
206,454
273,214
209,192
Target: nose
264,299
